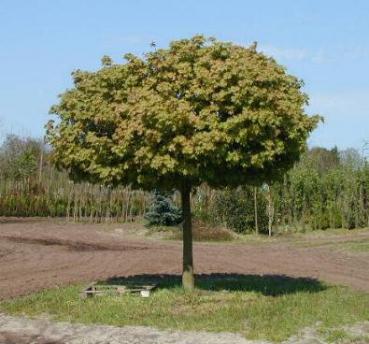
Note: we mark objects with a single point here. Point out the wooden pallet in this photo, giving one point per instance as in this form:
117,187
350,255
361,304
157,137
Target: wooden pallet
95,289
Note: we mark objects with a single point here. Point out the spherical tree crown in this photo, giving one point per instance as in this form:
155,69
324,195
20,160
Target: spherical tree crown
198,111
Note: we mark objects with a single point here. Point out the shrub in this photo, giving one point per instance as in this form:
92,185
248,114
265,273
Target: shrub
162,211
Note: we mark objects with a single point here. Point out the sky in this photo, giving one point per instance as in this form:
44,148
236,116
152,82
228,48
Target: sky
325,43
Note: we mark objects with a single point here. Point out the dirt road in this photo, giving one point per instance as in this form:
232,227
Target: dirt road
37,254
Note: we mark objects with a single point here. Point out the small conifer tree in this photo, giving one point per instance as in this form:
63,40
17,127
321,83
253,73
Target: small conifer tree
162,211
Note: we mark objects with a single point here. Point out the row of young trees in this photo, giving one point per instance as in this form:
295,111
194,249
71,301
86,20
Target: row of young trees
326,189
31,186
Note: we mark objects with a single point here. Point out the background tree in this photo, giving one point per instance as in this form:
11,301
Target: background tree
322,159
18,157
199,111
337,197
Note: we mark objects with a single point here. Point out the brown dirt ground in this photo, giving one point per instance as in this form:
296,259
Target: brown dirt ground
38,253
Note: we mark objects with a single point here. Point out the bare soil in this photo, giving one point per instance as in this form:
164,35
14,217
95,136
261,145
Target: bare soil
36,254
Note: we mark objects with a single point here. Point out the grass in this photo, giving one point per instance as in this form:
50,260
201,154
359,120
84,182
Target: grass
218,234
355,246
362,246
259,307
342,336
213,234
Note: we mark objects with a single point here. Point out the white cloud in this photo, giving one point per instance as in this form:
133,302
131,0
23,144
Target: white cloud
319,56
354,103
296,54
285,53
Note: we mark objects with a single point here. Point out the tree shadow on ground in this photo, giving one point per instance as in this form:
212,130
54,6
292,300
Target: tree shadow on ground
269,285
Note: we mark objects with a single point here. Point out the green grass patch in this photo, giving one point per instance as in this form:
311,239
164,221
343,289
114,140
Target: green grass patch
362,246
259,307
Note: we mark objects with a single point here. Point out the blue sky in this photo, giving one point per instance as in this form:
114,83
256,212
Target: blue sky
326,43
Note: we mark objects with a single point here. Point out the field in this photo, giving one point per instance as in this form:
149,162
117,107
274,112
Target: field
278,286
37,254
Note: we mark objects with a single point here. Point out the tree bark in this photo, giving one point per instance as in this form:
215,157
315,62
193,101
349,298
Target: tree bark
188,280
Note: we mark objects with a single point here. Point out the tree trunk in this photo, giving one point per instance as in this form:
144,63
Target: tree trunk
256,211
188,280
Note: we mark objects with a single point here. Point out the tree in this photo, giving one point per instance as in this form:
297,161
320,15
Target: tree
18,157
162,211
199,111
322,159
